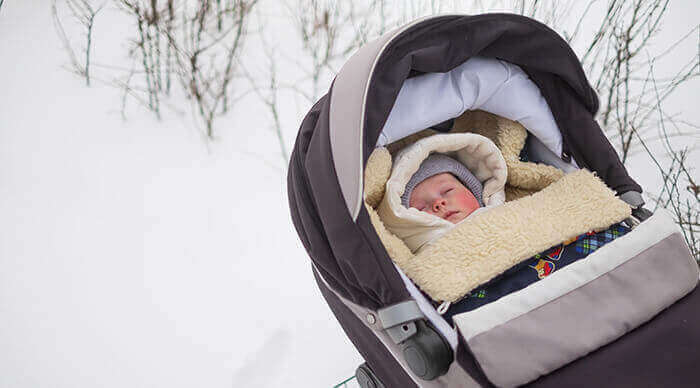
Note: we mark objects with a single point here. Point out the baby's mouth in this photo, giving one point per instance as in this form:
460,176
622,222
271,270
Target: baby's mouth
450,213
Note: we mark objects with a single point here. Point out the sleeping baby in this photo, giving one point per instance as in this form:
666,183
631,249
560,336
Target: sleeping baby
444,188
438,182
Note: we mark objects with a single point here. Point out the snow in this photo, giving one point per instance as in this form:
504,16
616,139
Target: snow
136,254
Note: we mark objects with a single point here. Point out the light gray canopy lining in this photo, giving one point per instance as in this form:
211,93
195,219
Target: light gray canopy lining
482,83
479,83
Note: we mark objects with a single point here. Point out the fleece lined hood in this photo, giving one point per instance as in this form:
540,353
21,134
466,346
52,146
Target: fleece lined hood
479,154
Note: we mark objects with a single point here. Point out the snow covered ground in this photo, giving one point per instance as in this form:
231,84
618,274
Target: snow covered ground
135,254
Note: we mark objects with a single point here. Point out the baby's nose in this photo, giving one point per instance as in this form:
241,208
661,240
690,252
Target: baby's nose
438,204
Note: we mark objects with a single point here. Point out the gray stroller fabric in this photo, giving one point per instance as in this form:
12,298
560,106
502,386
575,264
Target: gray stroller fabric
515,345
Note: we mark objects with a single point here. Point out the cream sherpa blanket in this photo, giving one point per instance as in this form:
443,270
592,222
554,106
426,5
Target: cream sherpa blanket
485,245
479,154
524,178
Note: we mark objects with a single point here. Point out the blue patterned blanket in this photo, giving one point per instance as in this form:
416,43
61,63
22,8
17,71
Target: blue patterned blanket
535,268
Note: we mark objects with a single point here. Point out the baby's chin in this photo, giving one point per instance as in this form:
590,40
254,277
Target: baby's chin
456,217
459,216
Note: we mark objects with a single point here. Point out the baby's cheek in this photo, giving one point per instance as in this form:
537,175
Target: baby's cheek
467,202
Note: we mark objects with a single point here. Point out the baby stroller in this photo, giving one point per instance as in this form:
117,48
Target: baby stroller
633,321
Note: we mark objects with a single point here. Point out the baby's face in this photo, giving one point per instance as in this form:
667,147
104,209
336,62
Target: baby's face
445,196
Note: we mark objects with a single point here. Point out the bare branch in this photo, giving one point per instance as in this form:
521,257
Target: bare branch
84,13
198,43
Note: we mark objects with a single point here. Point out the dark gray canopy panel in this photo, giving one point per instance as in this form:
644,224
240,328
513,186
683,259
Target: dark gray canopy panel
340,132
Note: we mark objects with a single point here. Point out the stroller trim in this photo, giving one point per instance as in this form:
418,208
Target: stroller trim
346,135
565,280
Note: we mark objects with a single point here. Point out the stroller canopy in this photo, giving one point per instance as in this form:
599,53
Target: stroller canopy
325,178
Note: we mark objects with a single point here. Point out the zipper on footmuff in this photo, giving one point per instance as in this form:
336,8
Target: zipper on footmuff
442,309
445,305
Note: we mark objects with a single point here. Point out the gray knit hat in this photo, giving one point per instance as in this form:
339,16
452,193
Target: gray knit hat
437,164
